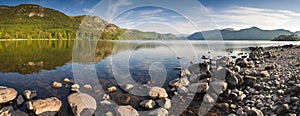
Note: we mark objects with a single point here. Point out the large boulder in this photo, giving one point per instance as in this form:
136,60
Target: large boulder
82,104
7,94
126,111
46,107
158,92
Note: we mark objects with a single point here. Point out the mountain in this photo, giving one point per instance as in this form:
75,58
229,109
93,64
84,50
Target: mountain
252,33
30,21
297,33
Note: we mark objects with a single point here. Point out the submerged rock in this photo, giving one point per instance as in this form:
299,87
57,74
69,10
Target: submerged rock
82,104
88,87
57,84
18,113
20,100
7,94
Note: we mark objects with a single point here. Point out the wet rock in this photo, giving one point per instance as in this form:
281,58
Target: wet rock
111,89
6,110
185,72
165,103
199,87
46,107
127,87
5,113
109,114
30,94
88,87
242,62
148,104
18,113
223,106
57,84
82,104
237,68
241,97
158,92
218,86
295,88
29,105
255,112
75,87
264,74
174,83
7,94
105,97
66,80
184,81
20,100
280,92
232,80
179,57
182,89
159,112
199,68
282,109
105,102
208,99
126,111
250,80
240,112
177,68
294,99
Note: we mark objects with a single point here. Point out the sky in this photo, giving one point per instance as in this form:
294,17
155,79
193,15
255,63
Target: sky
179,17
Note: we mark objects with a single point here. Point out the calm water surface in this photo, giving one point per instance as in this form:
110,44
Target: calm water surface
35,64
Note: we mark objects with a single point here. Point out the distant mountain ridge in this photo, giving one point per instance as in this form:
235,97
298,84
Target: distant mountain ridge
30,21
297,33
252,33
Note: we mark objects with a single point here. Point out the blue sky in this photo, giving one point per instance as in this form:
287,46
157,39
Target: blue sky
237,14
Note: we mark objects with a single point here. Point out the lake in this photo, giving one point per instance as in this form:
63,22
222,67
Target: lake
35,64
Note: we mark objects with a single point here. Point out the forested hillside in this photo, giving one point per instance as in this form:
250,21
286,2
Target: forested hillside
29,21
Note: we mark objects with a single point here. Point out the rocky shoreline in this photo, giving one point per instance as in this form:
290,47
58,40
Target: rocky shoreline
261,82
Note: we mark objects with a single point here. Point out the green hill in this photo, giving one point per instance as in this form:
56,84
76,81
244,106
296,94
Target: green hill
292,37
30,21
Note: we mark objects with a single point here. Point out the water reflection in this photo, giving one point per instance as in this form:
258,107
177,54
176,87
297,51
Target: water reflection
27,57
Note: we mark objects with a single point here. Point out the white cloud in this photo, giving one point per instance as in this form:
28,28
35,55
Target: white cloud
88,10
244,17
237,17
151,12
113,8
